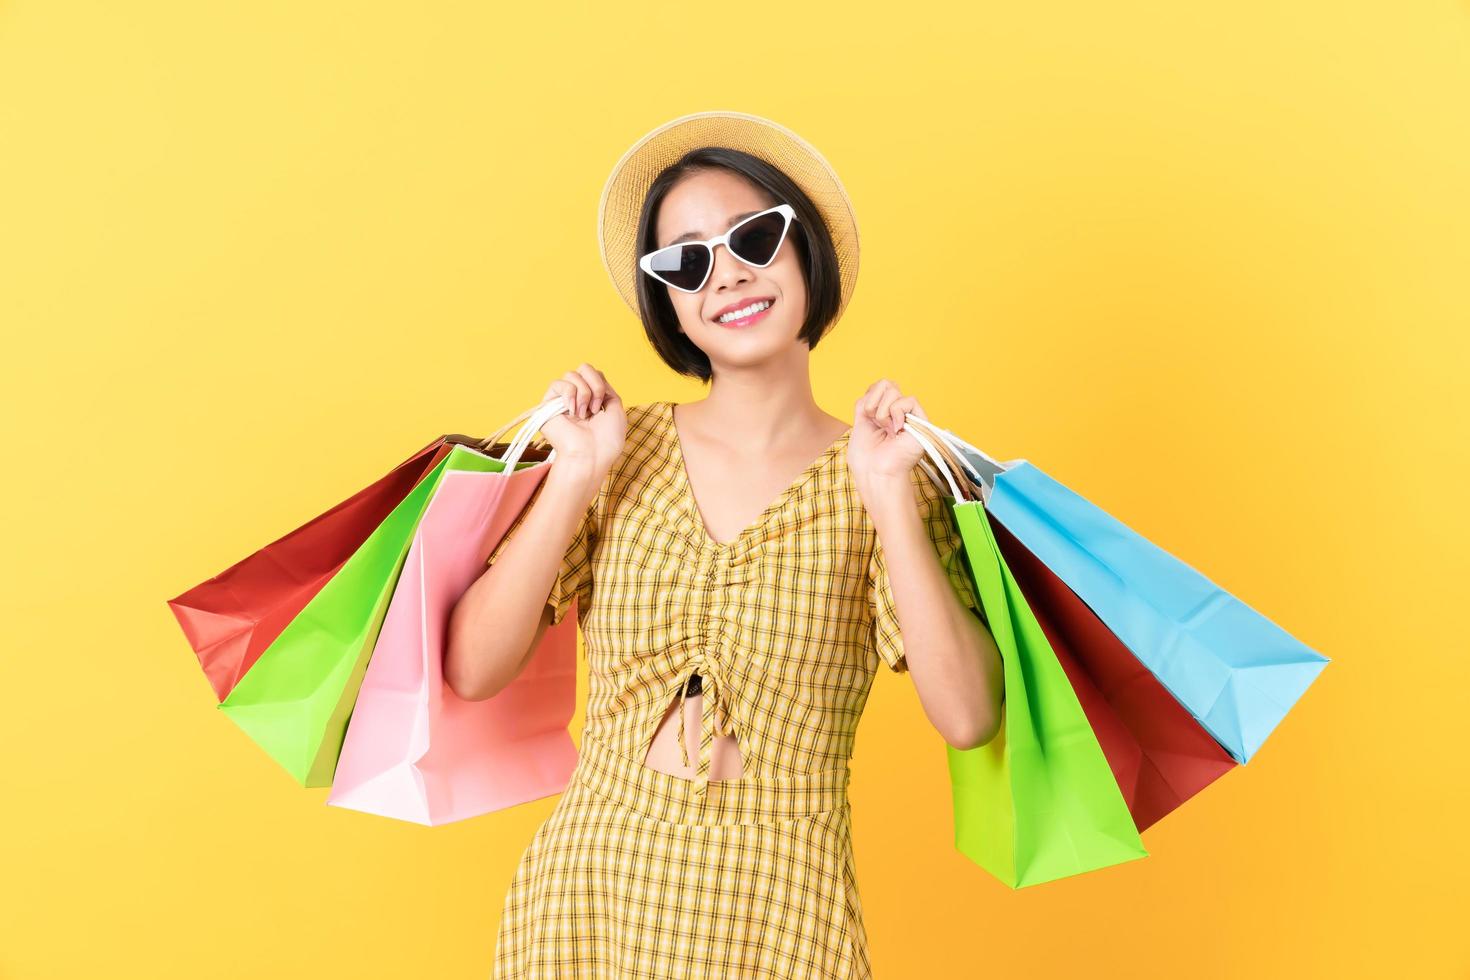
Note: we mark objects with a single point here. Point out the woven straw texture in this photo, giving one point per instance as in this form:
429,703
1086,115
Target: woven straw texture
627,185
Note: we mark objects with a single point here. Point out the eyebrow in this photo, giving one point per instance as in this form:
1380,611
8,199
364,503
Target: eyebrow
728,225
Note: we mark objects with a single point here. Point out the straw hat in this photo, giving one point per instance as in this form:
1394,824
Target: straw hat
634,173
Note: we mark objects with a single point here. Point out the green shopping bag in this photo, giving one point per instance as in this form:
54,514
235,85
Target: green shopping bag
296,699
1039,801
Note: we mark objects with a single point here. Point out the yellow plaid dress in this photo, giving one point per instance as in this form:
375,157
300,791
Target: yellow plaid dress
641,873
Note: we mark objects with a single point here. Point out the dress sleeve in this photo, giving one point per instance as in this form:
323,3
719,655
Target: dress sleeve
937,514
574,577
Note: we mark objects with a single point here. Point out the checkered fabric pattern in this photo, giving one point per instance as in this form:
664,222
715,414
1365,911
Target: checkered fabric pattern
641,873
633,876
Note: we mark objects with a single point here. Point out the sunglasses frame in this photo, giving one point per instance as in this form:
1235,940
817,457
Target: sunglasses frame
785,210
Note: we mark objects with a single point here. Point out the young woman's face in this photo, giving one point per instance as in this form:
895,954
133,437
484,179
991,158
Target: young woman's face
704,204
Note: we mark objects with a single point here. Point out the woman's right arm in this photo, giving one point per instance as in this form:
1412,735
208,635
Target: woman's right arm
499,621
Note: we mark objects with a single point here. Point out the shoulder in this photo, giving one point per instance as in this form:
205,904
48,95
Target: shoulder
643,415
645,442
930,497
645,423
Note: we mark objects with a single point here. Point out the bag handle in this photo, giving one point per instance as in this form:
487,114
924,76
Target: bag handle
955,440
959,465
487,444
938,457
539,416
955,466
961,451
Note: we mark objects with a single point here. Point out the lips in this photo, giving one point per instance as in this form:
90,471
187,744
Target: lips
740,305
746,322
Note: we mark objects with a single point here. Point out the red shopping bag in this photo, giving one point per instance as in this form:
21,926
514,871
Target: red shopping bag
1159,754
230,619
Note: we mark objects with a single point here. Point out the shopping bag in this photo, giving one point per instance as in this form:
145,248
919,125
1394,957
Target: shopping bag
1234,670
416,751
295,701
1039,801
231,618
1160,756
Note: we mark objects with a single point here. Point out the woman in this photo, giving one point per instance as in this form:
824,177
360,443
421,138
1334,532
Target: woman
740,565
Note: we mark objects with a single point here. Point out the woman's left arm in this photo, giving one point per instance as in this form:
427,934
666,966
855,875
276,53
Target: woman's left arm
948,649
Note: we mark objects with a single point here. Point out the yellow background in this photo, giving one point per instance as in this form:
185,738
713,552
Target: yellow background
1205,263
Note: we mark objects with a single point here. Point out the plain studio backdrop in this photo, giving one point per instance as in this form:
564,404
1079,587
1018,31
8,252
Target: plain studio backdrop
1204,263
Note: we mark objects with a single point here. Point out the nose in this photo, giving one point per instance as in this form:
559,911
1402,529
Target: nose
728,272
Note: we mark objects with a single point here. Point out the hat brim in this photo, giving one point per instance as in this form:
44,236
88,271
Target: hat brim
627,187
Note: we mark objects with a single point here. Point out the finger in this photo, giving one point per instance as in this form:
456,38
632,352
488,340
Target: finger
567,392
898,410
564,390
581,392
873,397
885,409
584,396
596,389
597,381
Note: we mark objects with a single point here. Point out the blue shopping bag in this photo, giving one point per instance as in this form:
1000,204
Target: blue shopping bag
1234,670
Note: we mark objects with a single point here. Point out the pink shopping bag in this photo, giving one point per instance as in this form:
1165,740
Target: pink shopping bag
414,750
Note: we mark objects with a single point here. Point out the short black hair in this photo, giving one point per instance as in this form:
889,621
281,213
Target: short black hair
810,236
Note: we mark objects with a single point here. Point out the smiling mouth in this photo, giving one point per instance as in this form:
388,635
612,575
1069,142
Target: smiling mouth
747,320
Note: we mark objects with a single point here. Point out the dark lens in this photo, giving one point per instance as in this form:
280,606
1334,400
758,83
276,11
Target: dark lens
756,241
682,265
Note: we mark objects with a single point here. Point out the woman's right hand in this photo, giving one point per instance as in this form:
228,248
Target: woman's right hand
595,425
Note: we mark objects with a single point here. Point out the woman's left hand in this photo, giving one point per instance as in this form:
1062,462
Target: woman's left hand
878,452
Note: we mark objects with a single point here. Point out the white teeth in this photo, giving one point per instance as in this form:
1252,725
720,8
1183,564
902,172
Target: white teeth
752,308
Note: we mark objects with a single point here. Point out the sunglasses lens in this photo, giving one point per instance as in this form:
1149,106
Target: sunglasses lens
683,266
756,241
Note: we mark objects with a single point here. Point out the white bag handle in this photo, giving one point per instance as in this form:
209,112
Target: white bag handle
938,459
929,468
540,415
964,452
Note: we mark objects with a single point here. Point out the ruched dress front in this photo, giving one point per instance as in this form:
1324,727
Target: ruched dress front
640,873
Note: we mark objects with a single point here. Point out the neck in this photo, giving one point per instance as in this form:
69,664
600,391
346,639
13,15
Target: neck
741,411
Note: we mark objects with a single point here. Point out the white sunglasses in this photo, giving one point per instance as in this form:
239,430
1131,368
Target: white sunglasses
686,266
